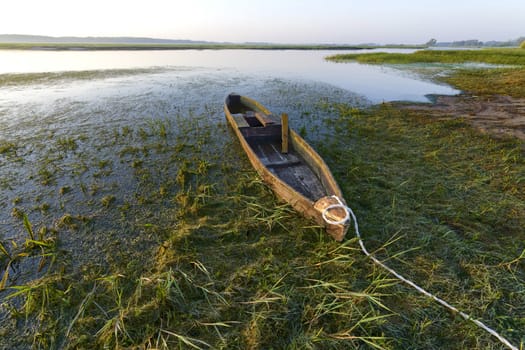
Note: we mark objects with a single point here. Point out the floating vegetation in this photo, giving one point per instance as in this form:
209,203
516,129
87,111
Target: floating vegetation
7,148
108,200
26,79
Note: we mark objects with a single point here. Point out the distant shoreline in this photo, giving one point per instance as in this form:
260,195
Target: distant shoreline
144,47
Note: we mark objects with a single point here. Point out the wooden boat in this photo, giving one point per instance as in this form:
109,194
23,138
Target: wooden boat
288,164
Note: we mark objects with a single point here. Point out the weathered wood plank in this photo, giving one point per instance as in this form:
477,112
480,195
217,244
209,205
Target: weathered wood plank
264,119
283,164
270,130
241,122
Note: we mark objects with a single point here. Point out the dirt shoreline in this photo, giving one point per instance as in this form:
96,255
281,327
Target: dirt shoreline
497,115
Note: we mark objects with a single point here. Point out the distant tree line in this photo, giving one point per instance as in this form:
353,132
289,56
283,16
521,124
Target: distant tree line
477,43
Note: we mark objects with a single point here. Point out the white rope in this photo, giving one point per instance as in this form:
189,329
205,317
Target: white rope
334,206
410,283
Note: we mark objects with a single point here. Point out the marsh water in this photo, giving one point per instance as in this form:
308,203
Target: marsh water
60,90
87,135
374,83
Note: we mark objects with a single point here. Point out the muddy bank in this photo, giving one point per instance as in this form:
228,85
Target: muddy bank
497,114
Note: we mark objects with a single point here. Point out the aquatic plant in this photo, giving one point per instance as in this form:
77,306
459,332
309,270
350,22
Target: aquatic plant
4,251
107,200
67,143
7,147
43,242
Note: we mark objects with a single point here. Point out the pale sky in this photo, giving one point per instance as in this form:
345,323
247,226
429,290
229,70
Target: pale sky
278,21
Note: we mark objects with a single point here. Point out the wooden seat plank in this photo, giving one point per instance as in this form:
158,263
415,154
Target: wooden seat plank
240,121
264,119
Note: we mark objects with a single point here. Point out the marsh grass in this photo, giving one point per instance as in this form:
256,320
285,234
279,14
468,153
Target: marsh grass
502,81
182,245
491,56
455,197
482,81
42,244
49,78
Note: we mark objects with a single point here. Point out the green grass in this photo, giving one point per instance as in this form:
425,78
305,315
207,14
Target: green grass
503,81
490,56
481,81
199,253
447,193
158,234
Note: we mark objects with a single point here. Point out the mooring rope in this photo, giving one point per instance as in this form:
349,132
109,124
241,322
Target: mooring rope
466,316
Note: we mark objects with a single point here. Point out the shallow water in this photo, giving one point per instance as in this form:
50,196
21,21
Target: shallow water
374,83
98,163
63,132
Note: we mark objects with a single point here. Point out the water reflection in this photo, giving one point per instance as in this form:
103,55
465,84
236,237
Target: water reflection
376,83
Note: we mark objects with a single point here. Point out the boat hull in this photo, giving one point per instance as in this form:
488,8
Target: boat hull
300,176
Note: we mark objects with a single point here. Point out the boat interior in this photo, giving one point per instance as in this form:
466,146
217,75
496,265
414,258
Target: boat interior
263,134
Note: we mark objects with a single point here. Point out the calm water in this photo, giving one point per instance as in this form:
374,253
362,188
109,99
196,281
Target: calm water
374,83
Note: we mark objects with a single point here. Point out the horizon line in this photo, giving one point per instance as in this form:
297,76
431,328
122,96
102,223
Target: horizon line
155,40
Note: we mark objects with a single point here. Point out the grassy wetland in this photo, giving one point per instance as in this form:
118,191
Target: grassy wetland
139,223
507,78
